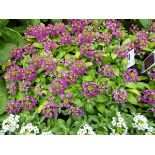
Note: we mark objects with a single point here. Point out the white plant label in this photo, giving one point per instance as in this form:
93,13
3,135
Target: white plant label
131,58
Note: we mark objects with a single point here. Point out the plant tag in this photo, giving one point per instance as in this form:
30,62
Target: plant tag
131,58
148,62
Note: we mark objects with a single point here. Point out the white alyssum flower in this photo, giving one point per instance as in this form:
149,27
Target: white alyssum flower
10,124
47,133
140,122
86,130
119,125
150,131
29,129
2,132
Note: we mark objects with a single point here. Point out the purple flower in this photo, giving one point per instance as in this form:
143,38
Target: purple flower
112,24
134,28
141,42
36,61
65,38
12,107
107,71
67,98
123,50
66,61
131,75
24,85
50,45
117,33
86,36
105,37
29,49
78,24
50,110
58,28
58,85
85,48
15,73
48,64
103,87
37,31
28,103
148,96
89,89
17,53
152,26
29,73
70,76
75,111
79,67
12,88
96,55
120,96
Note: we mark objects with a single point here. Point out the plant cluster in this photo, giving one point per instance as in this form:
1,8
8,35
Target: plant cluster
72,78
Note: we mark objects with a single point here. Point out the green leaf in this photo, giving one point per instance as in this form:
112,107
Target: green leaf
88,78
134,91
61,54
131,85
145,22
142,85
131,99
124,62
100,108
77,54
3,96
88,64
5,49
38,45
114,56
126,41
3,22
78,102
61,123
35,21
12,36
19,96
102,98
89,108
116,72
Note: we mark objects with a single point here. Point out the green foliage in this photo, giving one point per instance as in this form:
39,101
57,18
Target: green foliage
3,96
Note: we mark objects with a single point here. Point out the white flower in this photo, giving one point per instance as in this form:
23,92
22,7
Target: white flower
11,123
2,132
140,122
86,130
119,125
47,133
29,129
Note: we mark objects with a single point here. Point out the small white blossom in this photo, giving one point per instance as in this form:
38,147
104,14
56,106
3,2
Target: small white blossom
86,130
119,125
29,129
10,124
140,122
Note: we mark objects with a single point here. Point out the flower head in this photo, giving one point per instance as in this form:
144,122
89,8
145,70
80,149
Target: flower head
90,89
148,96
13,107
131,75
107,71
58,85
50,110
28,103
120,96
79,67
